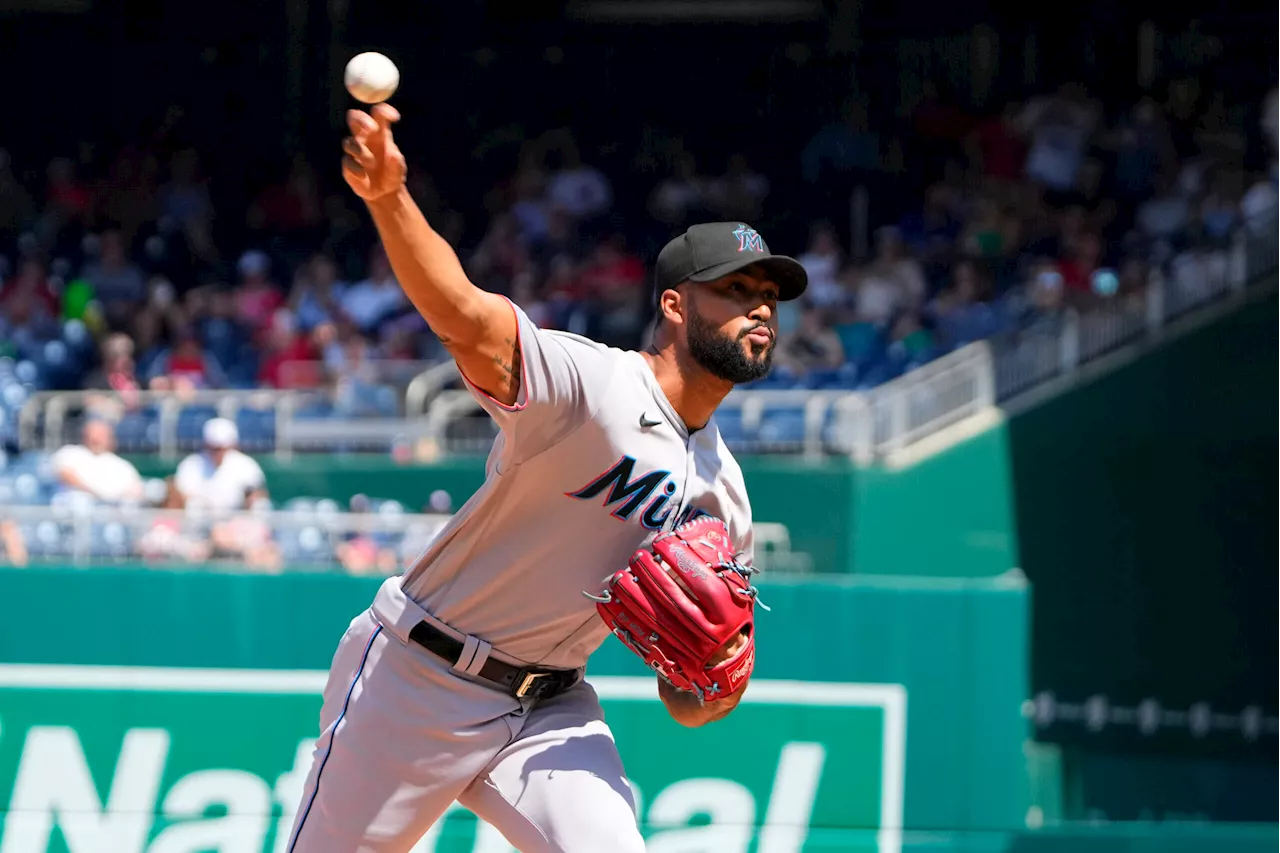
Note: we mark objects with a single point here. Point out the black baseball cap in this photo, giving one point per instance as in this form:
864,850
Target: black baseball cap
710,250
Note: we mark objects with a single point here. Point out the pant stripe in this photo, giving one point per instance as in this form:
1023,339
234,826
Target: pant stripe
316,790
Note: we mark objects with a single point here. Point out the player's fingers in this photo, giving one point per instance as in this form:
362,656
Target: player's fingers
357,150
353,171
385,115
360,123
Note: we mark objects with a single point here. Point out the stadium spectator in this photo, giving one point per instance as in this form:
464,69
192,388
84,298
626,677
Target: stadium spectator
28,298
256,297
1059,127
290,207
613,282
996,147
117,371
363,552
682,197
246,537
118,283
289,356
375,299
219,477
127,193
317,292
13,547
185,365
822,261
812,346
847,150
578,188
67,199
93,468
186,203
172,535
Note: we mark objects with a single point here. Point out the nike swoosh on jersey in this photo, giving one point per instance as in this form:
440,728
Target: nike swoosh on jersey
645,422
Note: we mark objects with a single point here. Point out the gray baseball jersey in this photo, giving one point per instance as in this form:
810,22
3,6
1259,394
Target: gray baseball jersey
591,463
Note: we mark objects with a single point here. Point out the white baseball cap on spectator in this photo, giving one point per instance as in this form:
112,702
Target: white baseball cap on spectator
220,433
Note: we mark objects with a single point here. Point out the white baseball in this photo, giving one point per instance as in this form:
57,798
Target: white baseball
371,78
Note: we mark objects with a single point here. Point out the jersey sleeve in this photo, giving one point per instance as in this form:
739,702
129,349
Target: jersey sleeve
746,546
561,378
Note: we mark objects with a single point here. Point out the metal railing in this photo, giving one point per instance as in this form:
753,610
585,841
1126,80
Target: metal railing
305,534
314,535
1057,346
46,416
873,424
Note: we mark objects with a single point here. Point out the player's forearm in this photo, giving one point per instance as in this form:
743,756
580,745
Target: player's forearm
429,271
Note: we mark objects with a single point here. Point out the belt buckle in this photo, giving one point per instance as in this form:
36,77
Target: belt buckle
529,683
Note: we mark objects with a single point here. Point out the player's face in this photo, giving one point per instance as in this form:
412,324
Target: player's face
733,325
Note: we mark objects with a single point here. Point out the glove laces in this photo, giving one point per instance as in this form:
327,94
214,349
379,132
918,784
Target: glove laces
744,572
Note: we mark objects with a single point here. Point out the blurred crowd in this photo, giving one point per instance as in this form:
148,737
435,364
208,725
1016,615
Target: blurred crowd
215,507
126,272
114,278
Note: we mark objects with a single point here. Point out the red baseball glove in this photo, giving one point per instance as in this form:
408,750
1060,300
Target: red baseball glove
678,604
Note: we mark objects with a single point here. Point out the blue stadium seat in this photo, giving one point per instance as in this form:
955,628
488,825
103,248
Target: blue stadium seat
191,422
308,545
48,539
781,428
257,429
110,541
315,410
729,421
139,431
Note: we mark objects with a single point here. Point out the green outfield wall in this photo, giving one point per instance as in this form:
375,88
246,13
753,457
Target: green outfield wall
145,706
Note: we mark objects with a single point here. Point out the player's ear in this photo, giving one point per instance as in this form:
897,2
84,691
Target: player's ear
672,305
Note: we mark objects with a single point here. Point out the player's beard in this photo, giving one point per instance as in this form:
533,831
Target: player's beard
724,357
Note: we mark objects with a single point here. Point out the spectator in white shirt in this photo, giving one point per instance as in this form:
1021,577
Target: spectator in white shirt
94,469
220,478
822,261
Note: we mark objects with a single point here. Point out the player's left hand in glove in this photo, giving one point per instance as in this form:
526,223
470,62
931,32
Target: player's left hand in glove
679,604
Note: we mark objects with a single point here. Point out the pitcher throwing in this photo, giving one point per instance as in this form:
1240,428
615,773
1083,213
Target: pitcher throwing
611,505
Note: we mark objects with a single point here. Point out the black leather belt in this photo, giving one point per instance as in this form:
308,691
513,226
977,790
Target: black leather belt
517,681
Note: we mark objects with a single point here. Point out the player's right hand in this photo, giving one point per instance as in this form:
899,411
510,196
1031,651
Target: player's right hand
372,163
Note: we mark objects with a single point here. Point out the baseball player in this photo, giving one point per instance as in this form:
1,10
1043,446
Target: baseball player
463,680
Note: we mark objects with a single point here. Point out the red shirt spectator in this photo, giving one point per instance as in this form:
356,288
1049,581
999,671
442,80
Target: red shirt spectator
289,353
611,272
1002,150
257,298
27,295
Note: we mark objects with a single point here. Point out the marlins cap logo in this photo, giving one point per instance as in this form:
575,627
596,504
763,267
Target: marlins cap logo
748,239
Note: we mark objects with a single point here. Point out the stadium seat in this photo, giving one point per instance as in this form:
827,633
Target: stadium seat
191,422
306,545
257,429
729,421
110,541
48,539
139,430
781,428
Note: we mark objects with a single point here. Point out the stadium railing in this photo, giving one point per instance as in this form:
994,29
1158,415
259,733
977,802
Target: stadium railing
1031,357
76,531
